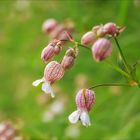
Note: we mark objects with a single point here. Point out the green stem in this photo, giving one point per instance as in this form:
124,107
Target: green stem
118,69
78,44
122,56
136,64
108,84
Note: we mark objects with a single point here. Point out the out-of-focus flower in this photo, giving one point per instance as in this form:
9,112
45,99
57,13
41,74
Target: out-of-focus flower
85,99
72,131
101,49
56,32
56,108
88,38
49,25
8,132
53,72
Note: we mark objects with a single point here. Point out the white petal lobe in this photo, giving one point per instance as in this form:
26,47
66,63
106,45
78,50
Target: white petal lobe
74,116
37,82
84,117
46,87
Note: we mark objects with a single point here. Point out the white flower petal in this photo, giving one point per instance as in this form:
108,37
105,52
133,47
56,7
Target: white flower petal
74,116
84,117
37,82
46,87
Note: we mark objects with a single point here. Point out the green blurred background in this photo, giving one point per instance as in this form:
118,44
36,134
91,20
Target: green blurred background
116,115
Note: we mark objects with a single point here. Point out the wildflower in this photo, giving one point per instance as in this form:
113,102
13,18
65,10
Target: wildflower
57,31
67,62
101,49
99,31
48,52
53,72
85,99
58,47
49,25
52,49
88,38
68,59
111,28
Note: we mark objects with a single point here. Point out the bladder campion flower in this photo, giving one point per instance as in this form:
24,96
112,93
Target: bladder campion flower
85,99
101,49
52,49
88,38
53,72
49,25
68,59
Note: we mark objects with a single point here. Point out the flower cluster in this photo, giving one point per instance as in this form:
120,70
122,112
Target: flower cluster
99,38
55,30
54,70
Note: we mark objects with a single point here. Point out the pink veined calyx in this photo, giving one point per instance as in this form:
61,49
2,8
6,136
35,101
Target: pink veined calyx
53,72
85,99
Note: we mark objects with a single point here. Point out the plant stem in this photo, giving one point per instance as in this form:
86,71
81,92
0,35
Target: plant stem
122,56
108,84
118,69
78,44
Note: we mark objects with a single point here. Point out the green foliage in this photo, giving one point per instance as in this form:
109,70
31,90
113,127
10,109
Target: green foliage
117,112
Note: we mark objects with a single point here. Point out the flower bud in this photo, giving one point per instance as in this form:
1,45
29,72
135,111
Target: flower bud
63,36
49,25
101,49
48,52
111,28
67,62
96,28
70,52
85,99
101,32
88,38
53,71
57,47
56,32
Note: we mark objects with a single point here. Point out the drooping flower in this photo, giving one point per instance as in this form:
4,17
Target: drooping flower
88,38
68,59
101,49
48,52
85,99
58,47
67,62
53,72
111,28
49,25
57,31
52,49
99,31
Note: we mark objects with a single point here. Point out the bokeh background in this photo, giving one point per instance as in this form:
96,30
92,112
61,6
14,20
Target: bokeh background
35,115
